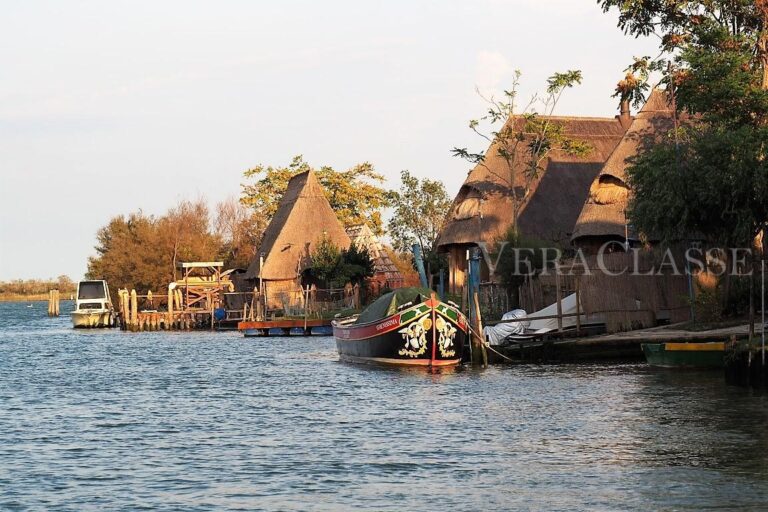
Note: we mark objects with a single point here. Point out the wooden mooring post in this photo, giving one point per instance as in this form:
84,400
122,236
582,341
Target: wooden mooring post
53,303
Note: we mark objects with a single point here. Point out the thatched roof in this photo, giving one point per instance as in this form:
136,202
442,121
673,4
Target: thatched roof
362,236
302,218
603,213
482,210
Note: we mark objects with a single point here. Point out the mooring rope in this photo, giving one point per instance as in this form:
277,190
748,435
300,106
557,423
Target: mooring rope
489,347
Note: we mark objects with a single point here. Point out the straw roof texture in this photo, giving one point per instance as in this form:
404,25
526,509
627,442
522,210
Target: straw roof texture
302,218
482,210
603,213
362,236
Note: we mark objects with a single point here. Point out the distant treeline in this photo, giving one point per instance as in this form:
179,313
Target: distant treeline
24,288
142,251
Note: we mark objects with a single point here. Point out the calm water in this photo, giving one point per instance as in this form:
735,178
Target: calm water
201,421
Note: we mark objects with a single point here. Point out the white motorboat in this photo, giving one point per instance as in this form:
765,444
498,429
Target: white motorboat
93,306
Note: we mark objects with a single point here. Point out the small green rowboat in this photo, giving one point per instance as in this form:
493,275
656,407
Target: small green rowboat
685,355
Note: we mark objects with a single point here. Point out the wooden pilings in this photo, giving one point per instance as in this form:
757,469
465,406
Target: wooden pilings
53,303
134,319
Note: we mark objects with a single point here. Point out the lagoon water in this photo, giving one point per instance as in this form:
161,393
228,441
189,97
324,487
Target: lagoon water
105,420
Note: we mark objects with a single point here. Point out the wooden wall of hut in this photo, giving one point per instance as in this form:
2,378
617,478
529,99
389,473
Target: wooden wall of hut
633,300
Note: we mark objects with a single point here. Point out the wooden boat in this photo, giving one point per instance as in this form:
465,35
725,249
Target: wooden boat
685,355
93,306
407,327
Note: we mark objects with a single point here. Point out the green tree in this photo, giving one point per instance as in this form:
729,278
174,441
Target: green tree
420,208
716,57
336,267
354,194
706,179
326,262
524,138
357,264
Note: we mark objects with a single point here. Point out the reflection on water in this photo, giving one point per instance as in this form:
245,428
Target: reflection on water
104,419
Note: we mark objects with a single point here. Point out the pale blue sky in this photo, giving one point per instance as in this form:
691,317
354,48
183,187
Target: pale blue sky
109,106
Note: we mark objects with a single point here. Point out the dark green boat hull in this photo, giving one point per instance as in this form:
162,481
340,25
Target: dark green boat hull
685,355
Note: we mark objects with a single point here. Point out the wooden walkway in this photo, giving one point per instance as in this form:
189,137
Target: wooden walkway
623,346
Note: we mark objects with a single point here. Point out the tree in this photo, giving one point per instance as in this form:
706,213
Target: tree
141,251
708,178
354,194
709,182
239,230
128,254
716,53
336,267
185,235
523,139
420,208
357,264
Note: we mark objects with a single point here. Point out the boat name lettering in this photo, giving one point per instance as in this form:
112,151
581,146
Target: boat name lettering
388,323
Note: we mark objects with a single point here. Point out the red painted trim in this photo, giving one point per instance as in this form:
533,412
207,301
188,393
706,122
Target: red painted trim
433,304
369,331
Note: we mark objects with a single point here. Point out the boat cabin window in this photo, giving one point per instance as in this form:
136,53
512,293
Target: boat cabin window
91,290
91,305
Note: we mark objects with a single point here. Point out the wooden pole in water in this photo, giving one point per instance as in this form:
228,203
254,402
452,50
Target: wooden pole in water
559,295
170,308
126,309
477,330
212,307
134,310
578,307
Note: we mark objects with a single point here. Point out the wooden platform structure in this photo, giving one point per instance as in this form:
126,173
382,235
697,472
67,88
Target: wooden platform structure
198,300
285,326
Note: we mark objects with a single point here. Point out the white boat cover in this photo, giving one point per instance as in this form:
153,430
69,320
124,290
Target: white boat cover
496,333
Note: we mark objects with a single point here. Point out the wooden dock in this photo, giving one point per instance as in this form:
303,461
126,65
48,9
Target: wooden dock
285,327
624,346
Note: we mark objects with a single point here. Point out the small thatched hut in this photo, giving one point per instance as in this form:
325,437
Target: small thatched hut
303,217
603,216
629,300
482,210
386,273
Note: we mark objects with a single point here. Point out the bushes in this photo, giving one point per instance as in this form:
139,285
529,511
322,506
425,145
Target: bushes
336,267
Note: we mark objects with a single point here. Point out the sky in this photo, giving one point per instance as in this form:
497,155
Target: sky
108,107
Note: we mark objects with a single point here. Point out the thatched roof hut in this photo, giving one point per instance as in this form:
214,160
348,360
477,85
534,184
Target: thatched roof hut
385,270
482,210
603,216
303,217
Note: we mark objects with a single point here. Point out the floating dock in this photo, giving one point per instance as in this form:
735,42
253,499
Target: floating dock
286,327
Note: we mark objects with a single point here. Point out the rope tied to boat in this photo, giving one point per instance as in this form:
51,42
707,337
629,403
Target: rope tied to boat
488,345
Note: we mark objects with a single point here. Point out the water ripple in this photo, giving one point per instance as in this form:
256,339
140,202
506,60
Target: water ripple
93,420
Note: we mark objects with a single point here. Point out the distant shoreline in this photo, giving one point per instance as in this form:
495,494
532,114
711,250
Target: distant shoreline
36,297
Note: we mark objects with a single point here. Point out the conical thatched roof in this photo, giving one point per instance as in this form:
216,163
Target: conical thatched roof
603,213
362,236
302,218
482,210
